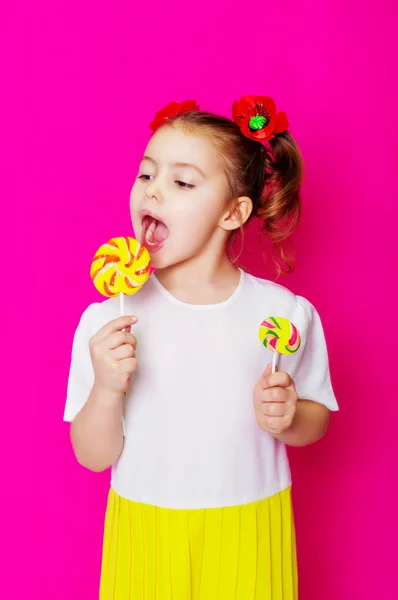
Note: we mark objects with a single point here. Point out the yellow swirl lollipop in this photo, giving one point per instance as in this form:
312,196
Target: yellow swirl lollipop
280,336
120,267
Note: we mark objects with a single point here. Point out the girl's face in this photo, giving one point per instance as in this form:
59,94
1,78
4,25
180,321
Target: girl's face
179,197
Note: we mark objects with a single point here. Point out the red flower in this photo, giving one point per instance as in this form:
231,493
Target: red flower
173,110
258,119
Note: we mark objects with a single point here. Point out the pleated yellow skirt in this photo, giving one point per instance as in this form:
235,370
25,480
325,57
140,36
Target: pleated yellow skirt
236,553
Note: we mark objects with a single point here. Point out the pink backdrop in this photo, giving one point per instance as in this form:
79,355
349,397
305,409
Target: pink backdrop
81,82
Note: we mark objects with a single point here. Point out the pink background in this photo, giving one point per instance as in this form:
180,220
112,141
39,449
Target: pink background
80,83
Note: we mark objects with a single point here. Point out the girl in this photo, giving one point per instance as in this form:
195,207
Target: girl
200,502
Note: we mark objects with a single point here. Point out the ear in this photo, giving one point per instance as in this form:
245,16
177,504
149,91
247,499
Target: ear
237,214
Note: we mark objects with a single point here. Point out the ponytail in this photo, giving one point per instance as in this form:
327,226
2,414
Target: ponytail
280,207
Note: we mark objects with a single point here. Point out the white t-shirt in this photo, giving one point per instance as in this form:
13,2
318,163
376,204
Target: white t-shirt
191,436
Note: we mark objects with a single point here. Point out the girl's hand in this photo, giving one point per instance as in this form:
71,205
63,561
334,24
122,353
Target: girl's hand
112,353
275,401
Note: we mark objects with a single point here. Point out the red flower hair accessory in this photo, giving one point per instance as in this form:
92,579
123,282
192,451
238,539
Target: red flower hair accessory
173,110
258,119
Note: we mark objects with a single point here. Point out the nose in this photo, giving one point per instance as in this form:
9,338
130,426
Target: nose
152,191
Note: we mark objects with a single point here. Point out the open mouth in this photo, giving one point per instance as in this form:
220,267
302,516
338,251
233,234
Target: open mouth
154,232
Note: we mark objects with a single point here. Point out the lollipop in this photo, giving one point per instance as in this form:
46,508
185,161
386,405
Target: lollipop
280,336
120,267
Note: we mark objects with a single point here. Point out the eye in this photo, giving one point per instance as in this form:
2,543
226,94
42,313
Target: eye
184,186
144,177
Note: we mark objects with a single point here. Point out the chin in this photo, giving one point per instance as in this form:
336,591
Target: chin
157,262
160,261
163,259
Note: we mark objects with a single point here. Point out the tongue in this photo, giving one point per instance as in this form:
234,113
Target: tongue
157,232
161,232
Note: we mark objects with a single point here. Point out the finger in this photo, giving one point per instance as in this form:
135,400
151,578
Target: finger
273,409
275,394
279,379
276,424
118,338
128,365
260,383
267,372
113,326
124,351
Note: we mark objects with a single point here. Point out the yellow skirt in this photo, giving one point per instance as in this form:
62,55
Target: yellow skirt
236,553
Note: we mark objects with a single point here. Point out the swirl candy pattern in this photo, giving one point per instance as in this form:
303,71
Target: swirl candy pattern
121,266
279,335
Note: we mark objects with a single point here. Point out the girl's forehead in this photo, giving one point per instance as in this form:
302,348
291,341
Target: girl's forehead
174,144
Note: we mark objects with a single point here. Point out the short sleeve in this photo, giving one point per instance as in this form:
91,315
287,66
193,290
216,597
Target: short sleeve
312,374
81,374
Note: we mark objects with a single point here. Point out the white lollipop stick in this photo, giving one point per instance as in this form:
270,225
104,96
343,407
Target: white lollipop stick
275,360
121,298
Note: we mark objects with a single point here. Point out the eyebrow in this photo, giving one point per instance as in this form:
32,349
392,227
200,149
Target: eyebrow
178,165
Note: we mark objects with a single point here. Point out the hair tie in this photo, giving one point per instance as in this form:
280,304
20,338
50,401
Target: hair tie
173,109
258,119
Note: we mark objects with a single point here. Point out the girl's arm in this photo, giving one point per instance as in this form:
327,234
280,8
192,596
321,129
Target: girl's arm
310,423
96,432
279,411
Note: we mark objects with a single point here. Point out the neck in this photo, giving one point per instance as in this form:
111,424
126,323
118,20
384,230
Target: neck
208,268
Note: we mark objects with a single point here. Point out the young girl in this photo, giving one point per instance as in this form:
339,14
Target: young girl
200,501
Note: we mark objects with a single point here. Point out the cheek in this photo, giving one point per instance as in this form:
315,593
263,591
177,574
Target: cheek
133,195
199,215
134,202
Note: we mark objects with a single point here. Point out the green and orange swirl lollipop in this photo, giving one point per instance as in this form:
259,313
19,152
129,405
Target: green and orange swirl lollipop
279,336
